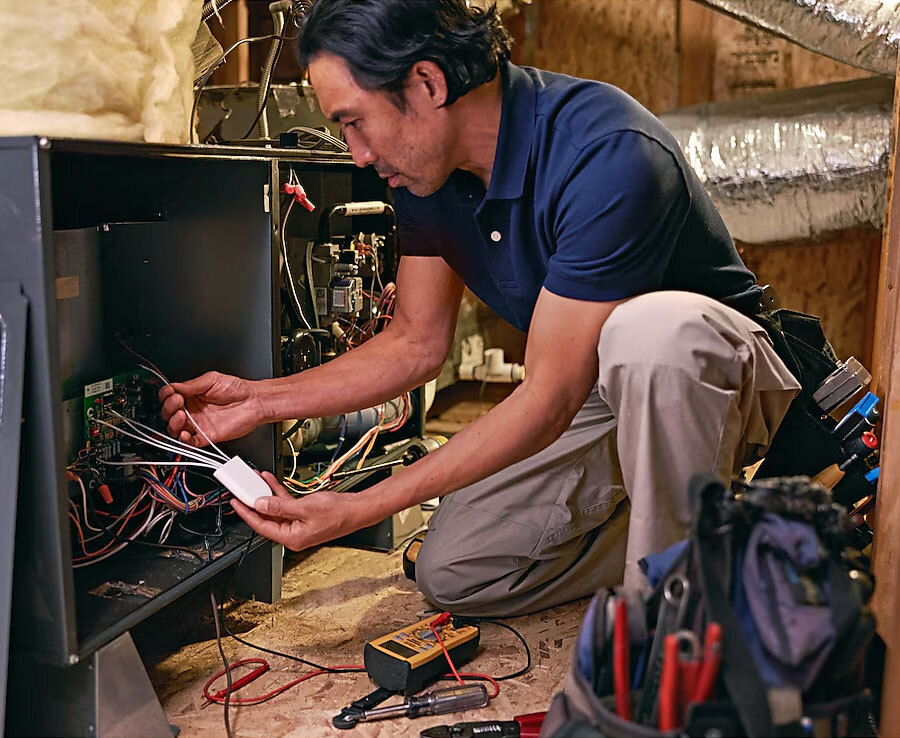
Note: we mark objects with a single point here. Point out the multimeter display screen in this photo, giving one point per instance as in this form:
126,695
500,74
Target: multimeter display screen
399,649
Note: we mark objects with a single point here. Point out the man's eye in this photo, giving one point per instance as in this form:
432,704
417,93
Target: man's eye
350,124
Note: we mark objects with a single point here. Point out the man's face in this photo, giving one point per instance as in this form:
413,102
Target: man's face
408,147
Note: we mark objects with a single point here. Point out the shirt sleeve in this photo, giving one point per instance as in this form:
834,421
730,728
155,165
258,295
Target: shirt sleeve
412,238
619,214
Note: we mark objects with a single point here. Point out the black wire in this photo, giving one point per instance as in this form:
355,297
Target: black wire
209,73
261,648
525,669
265,99
515,674
269,650
292,430
291,657
215,608
121,539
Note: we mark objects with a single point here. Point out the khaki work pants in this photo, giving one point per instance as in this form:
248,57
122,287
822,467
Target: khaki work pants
686,385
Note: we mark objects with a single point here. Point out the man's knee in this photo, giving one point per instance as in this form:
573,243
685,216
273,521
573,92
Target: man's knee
677,330
436,579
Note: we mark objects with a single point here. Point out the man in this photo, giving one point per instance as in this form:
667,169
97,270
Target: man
570,210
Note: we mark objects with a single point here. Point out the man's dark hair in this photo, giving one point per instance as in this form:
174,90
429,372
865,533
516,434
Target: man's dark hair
380,40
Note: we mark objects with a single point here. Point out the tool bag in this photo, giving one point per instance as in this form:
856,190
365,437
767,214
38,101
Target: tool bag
767,563
803,444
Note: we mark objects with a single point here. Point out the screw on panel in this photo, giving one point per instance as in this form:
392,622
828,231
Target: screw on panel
73,659
105,227
44,143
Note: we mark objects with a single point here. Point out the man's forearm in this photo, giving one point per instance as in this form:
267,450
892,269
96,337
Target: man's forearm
520,426
378,371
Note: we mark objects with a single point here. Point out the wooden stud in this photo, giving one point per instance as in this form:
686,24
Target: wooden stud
698,53
886,559
233,27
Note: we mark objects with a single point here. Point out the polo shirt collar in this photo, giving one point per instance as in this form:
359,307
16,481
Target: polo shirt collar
515,136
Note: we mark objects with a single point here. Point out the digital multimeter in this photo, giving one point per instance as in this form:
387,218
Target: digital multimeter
408,659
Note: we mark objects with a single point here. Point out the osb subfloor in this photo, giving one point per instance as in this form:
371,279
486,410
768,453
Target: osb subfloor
334,600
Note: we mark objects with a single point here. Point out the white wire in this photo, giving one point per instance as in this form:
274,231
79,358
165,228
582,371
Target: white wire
200,430
160,517
137,426
150,441
287,265
377,273
163,442
150,462
131,538
84,503
167,529
294,457
100,558
321,135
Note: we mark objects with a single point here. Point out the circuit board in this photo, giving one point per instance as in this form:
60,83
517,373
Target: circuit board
132,395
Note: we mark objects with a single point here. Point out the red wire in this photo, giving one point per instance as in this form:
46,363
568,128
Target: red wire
80,533
213,697
446,652
268,695
109,545
485,677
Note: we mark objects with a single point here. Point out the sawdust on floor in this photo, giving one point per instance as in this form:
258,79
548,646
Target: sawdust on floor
334,600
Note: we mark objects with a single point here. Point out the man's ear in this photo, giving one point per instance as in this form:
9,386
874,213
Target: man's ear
426,80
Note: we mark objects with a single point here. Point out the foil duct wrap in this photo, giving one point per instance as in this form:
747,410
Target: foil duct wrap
862,33
796,164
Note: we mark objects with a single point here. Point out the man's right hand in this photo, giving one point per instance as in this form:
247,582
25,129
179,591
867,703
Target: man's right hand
225,407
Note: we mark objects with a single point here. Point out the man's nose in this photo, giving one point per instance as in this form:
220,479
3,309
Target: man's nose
362,155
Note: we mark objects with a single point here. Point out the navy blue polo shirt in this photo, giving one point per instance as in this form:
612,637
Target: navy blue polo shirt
590,196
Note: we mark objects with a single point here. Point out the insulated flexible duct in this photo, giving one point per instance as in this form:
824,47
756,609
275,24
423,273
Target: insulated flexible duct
862,33
794,164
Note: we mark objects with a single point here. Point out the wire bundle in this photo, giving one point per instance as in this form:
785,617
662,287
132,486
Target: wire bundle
387,423
383,313
115,532
162,496
174,491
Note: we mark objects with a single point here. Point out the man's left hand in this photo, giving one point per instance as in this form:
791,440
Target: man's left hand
299,523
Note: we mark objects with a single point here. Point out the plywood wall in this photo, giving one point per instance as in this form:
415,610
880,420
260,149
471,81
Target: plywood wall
632,44
833,278
665,53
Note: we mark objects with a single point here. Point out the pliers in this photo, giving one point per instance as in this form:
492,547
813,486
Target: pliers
686,676
522,726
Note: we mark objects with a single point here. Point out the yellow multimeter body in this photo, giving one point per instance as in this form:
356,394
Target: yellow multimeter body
410,658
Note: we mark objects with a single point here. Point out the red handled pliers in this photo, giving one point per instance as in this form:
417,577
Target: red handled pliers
686,677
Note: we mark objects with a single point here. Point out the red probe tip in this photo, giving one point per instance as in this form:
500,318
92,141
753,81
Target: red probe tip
441,619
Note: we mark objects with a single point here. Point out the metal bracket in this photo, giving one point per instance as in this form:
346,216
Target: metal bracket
107,695
13,315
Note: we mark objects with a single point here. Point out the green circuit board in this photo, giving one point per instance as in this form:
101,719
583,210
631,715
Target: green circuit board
131,395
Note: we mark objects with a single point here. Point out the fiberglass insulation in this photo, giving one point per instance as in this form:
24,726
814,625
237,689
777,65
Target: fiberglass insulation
104,69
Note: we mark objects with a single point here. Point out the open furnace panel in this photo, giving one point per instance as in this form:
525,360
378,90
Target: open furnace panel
146,259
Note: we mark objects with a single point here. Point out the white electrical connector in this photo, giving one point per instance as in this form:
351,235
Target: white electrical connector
242,481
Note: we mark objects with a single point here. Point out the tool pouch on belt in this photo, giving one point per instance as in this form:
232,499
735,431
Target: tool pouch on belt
803,444
765,562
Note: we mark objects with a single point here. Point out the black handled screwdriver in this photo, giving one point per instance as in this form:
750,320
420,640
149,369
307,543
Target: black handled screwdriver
412,454
438,702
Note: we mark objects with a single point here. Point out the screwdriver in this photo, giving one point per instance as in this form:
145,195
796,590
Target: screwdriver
438,702
859,448
413,454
